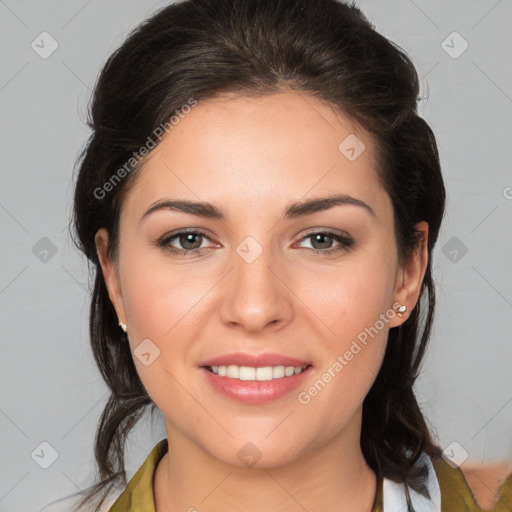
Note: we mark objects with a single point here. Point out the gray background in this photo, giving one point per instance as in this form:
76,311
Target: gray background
52,391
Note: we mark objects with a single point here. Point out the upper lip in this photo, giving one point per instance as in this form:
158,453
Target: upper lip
255,360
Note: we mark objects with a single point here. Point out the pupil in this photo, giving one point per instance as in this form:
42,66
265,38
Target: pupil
320,236
186,239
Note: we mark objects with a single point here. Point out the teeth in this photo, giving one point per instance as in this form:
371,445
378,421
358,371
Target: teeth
250,373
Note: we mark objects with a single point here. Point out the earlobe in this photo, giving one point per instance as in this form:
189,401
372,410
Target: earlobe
110,273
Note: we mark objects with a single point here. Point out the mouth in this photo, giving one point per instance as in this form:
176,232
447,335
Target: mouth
254,385
256,373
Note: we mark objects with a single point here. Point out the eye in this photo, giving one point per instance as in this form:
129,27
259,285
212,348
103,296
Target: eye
325,239
190,241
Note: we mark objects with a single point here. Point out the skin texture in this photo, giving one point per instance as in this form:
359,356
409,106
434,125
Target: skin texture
485,481
252,156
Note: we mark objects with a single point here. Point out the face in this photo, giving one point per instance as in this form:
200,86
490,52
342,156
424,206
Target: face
317,285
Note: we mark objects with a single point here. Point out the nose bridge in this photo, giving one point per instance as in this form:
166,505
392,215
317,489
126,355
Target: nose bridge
252,261
256,297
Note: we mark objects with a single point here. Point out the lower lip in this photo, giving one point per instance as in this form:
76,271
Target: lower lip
255,392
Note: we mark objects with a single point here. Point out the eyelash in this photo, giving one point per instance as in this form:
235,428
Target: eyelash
346,242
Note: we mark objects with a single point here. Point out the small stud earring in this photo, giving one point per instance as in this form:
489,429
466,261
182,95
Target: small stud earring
401,310
123,326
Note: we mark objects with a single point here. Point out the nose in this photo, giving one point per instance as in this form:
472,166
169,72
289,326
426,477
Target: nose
255,293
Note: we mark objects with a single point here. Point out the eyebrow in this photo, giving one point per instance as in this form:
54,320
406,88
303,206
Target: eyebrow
291,211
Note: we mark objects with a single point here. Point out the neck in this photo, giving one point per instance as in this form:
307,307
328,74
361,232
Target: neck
334,477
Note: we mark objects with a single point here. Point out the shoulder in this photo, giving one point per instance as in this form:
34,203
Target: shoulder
474,488
120,498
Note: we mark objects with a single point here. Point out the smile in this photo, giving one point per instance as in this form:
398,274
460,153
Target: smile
264,373
255,384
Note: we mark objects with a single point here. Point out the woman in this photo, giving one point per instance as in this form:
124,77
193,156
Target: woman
261,200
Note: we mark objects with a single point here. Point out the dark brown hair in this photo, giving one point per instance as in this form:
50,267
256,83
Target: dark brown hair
202,49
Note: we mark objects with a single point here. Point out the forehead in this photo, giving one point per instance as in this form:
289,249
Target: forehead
260,150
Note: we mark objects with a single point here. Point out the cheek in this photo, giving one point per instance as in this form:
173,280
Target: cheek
164,304
350,360
342,387
352,299
355,302
159,296
160,308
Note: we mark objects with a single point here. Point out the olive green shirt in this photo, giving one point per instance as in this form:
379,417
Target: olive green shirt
456,495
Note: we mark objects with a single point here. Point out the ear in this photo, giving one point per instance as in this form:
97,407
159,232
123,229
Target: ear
410,276
110,273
